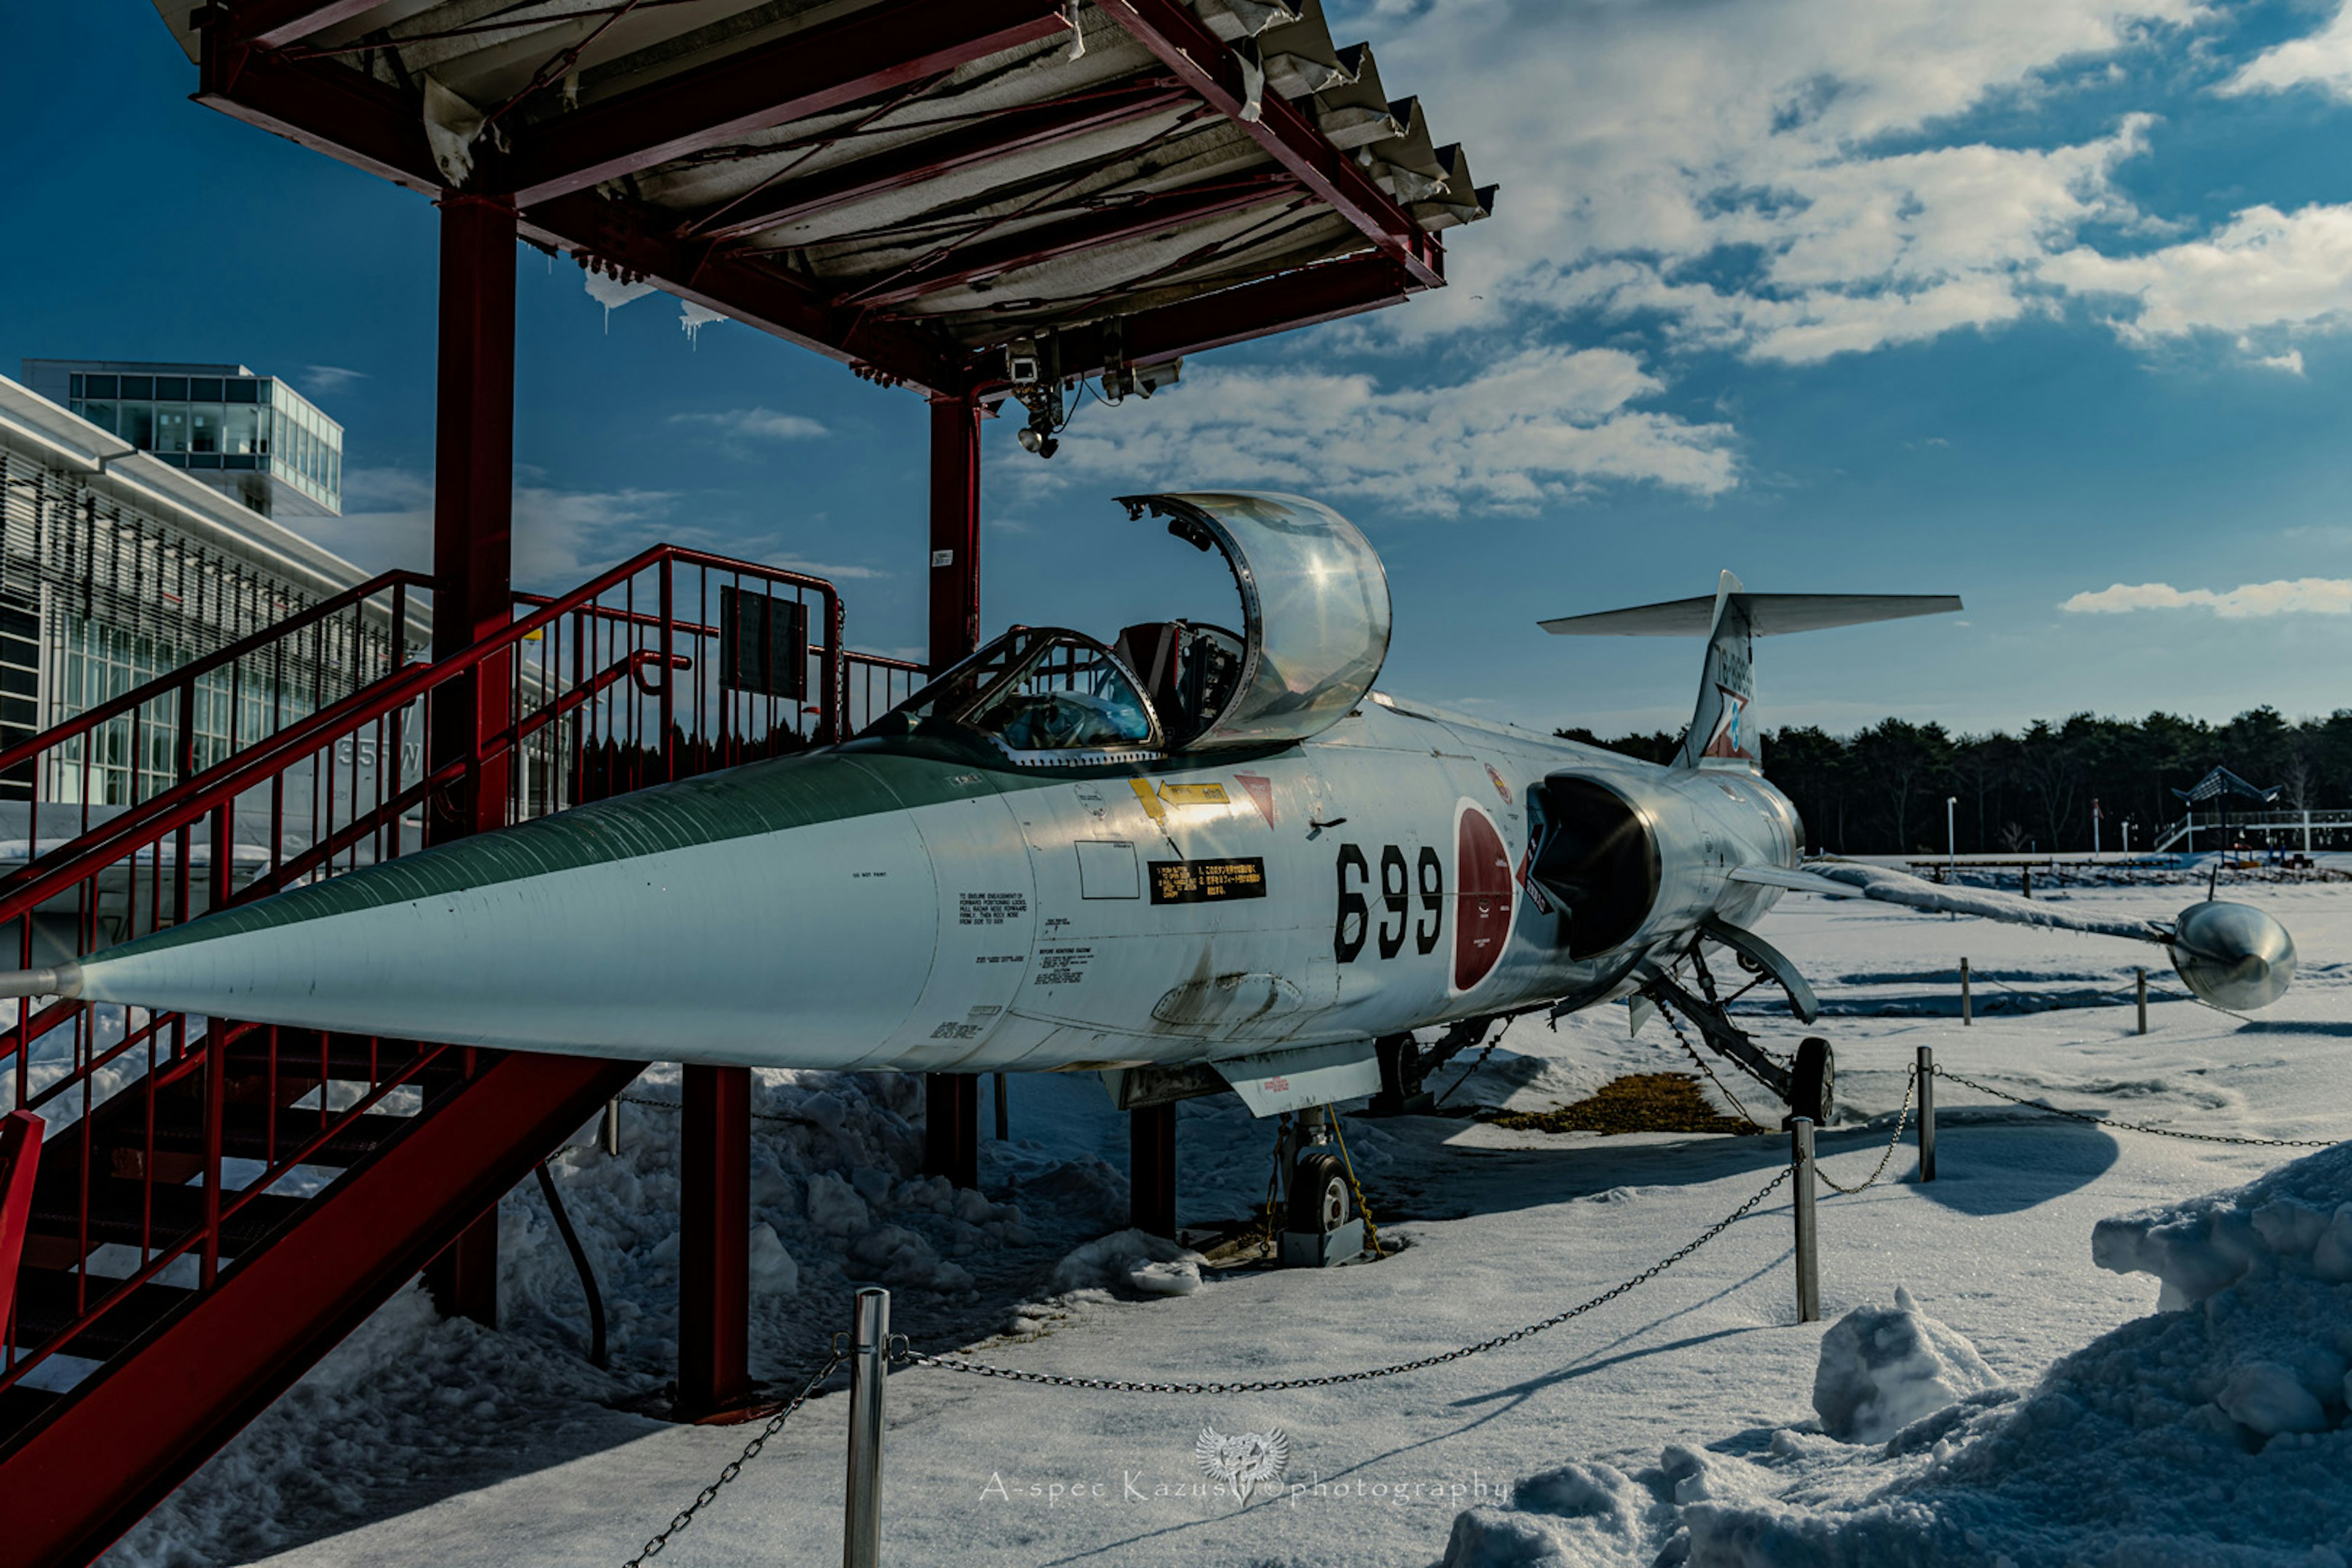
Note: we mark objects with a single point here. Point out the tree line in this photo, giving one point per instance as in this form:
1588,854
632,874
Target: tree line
1881,790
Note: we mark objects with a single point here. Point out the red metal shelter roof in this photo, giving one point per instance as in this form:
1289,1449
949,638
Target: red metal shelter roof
909,186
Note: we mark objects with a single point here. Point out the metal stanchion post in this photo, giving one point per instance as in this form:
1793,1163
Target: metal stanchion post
1966,1010
1003,1113
608,1133
1926,1113
861,1529
2143,1000
1808,1265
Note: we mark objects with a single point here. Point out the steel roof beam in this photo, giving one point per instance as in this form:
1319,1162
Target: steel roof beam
1324,292
273,23
999,135
727,279
328,108
811,71
1072,236
1185,44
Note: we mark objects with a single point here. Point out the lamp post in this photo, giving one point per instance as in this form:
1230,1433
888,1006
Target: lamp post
2095,815
1951,836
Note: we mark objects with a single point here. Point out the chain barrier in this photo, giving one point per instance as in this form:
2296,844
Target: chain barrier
1371,1231
1902,1120
1272,1186
751,1451
1472,1070
2138,1127
1276,1385
1721,1087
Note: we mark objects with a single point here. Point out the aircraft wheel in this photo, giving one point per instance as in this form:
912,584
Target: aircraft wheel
1320,1201
1812,1086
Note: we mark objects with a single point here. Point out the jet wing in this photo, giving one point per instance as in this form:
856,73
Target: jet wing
1850,879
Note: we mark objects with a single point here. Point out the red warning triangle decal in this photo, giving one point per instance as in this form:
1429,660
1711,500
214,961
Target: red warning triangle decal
1261,794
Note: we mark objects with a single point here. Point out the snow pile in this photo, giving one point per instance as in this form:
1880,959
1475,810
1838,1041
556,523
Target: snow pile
1136,1259
2215,1432
1880,1371
412,1404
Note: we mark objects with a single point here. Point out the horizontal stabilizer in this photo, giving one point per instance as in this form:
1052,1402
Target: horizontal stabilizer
1768,615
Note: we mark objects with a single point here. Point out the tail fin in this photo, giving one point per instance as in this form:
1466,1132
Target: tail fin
1723,732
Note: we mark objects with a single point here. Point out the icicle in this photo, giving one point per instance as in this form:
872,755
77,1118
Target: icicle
692,318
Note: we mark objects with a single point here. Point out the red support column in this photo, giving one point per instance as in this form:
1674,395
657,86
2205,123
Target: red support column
951,1100
951,1126
1151,1170
955,530
473,519
714,1283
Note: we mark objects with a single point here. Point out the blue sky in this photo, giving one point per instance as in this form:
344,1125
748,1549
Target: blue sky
2039,301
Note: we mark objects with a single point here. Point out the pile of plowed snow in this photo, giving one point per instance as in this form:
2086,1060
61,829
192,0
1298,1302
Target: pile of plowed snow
2214,1433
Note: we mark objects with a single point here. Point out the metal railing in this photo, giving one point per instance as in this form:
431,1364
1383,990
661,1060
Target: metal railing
873,684
171,1138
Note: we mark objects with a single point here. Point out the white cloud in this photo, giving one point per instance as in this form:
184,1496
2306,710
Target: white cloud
2264,270
756,425
326,380
2299,595
2322,60
561,538
1745,175
1541,426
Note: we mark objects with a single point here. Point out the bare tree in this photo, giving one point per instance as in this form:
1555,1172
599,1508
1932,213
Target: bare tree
2296,780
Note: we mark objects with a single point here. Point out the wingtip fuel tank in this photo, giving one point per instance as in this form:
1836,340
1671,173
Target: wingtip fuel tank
2234,956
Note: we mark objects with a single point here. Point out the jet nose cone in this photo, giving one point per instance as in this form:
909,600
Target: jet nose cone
2233,955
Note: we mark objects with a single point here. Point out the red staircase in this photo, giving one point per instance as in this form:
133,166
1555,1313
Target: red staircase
215,1203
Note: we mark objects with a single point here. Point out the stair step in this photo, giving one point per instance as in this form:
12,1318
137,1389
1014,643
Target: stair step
115,1214
348,1058
246,1132
44,1304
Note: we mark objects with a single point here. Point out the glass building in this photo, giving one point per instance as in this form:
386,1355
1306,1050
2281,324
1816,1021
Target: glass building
121,561
250,437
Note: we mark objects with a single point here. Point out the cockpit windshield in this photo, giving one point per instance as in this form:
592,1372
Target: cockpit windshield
1040,693
1071,696
1315,629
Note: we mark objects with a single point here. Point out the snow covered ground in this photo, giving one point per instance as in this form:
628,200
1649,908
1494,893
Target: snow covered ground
1679,1418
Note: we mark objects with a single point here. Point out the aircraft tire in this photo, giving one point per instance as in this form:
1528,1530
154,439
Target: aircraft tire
1813,1085
1320,1199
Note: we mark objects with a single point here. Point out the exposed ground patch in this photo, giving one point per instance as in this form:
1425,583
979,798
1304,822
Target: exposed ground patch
1640,1103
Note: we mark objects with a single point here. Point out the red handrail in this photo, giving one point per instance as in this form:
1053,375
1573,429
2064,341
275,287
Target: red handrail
184,677
184,803
587,716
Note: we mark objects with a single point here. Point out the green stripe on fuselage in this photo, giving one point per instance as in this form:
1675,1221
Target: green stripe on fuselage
835,784
745,801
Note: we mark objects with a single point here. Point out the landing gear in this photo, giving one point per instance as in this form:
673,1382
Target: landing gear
1319,1200
1813,1084
1808,1086
1321,1225
1406,1065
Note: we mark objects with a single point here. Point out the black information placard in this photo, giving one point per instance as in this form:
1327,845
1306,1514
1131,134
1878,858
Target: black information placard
1207,882
762,644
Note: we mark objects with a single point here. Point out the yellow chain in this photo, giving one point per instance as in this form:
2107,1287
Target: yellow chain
1371,1231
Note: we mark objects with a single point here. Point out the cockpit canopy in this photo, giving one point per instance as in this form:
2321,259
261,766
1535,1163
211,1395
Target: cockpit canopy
1315,630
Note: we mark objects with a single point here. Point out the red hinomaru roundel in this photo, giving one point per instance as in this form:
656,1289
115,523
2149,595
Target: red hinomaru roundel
1482,899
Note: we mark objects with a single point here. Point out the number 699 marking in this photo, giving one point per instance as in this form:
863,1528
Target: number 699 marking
1355,926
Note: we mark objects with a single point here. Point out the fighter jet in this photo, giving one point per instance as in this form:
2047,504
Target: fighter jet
1191,856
